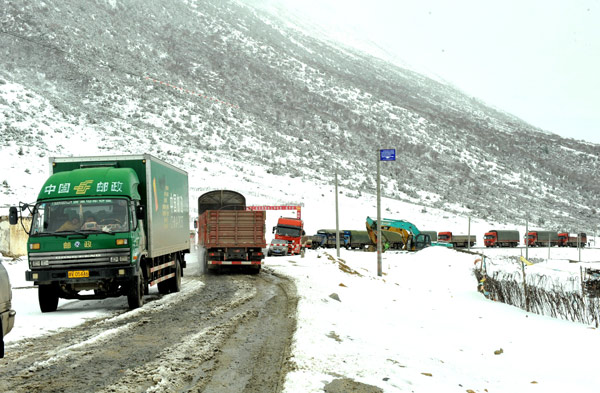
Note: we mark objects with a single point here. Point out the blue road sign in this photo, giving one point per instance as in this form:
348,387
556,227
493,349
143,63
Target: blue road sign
387,155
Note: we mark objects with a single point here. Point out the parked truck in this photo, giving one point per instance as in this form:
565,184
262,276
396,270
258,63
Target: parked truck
542,238
228,234
114,225
357,239
292,230
432,235
456,240
501,238
565,239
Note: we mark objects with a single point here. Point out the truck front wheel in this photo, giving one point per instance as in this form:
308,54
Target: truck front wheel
135,297
48,297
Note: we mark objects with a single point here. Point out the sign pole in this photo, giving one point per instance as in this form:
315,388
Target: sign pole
384,155
379,272
337,216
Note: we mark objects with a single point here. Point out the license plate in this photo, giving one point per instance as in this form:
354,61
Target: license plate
78,273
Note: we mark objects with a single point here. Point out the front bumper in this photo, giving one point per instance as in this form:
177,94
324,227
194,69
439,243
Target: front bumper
96,273
8,321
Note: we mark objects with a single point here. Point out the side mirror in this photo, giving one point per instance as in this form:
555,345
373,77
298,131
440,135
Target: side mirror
140,212
13,215
195,224
274,229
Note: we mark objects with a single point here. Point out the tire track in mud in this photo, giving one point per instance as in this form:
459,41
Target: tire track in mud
175,343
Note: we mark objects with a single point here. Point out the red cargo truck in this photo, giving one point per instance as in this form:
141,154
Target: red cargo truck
291,230
501,238
542,238
456,240
567,240
228,234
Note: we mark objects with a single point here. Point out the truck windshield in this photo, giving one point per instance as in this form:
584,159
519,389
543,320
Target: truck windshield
488,237
84,215
443,237
288,231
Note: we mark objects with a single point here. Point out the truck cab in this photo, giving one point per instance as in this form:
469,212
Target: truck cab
490,239
292,230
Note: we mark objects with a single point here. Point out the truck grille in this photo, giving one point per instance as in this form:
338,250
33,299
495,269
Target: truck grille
76,258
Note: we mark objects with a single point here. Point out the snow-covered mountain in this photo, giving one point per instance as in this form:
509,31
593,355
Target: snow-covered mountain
218,87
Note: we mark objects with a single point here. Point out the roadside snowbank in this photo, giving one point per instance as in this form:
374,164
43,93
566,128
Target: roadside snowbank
423,327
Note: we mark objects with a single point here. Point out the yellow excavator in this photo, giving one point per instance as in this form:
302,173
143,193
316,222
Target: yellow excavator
400,234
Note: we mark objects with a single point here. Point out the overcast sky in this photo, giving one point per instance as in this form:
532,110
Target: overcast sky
537,59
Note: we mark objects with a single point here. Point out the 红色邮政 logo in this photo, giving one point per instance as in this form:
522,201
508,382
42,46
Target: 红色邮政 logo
83,187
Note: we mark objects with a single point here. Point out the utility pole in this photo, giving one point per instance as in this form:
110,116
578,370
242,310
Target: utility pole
337,216
527,238
469,235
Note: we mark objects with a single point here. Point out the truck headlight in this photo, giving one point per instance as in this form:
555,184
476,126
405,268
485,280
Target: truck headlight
114,259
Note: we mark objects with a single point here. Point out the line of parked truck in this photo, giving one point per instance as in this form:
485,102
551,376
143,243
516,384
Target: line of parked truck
354,239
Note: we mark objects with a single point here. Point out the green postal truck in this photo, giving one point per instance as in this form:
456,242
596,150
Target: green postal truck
107,227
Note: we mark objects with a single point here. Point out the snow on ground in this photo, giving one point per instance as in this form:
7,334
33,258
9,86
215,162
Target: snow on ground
421,327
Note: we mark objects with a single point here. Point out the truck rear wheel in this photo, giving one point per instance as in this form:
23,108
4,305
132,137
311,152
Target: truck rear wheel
135,297
47,297
175,282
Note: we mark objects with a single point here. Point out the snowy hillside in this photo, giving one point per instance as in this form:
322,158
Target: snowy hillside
221,89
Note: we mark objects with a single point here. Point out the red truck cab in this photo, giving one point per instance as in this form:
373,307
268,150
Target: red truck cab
567,240
292,230
490,239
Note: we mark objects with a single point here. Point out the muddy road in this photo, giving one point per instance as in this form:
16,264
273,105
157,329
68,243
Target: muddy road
222,333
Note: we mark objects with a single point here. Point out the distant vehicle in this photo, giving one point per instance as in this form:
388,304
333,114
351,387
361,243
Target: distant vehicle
278,247
567,240
357,239
292,230
228,233
7,315
432,235
400,232
457,240
114,225
502,238
542,238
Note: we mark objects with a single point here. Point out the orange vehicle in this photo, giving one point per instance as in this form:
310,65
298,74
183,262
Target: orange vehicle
292,230
567,240
497,238
456,240
541,238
